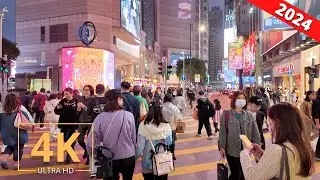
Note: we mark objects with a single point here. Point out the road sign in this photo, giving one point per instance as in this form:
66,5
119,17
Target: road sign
183,77
197,78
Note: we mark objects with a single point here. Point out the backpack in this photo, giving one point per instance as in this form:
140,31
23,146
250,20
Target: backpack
97,108
143,111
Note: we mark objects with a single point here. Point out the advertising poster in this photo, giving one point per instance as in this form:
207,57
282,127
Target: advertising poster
230,35
130,16
249,53
229,75
235,56
270,22
175,57
185,9
248,80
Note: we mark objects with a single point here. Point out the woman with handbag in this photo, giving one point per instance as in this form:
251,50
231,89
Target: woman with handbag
10,115
289,157
114,137
153,132
172,115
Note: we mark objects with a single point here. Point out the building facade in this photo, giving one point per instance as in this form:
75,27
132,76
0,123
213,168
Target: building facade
45,28
216,39
179,22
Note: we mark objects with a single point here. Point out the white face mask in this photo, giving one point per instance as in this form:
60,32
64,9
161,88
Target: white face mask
240,103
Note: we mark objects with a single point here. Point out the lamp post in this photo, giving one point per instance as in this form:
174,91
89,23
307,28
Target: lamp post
201,28
2,11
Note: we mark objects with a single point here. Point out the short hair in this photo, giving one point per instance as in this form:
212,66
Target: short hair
235,97
42,90
68,90
125,85
201,93
179,92
136,90
167,98
53,96
27,93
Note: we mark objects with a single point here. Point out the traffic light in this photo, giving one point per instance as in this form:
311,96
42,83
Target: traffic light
5,65
313,71
169,70
160,68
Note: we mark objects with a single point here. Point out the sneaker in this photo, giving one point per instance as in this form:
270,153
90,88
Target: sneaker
198,135
92,175
3,148
210,137
16,167
4,165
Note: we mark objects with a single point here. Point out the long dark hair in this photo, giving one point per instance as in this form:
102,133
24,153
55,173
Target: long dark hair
91,89
217,104
292,130
155,114
10,104
307,96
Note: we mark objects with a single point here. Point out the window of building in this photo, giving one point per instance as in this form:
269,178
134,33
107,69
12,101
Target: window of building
43,34
204,8
204,50
204,42
59,33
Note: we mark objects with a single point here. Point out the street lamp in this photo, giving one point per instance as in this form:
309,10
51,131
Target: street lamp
2,11
202,28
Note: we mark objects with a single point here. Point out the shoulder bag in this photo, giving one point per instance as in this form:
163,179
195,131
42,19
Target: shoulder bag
284,164
162,162
105,155
22,122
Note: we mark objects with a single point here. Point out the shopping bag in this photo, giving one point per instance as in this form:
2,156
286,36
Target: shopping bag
181,126
222,171
22,122
162,162
195,114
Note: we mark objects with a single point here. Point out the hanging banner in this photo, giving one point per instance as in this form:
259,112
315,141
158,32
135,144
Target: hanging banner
235,56
291,15
185,9
249,53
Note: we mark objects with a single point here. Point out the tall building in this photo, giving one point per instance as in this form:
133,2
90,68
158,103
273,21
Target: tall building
203,33
9,23
216,36
179,21
47,30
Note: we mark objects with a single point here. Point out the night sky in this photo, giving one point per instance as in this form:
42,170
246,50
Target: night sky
9,24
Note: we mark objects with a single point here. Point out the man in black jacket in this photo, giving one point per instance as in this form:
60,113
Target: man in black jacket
205,111
254,106
131,103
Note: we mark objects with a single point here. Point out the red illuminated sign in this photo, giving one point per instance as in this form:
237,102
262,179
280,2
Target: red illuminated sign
285,69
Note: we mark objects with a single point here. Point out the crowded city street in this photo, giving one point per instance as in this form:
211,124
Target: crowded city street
197,157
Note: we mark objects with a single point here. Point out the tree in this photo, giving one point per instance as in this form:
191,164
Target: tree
197,67
10,48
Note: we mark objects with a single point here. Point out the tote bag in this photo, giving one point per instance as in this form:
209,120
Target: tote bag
22,122
195,114
181,126
222,171
162,162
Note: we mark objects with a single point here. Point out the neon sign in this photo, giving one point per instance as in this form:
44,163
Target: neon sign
285,69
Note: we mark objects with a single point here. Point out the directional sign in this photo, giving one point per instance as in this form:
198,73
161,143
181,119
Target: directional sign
197,78
183,77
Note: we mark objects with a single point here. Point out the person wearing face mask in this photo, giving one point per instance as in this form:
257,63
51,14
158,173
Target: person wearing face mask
114,129
254,106
289,156
234,122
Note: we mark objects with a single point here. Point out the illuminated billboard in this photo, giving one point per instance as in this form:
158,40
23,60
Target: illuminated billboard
185,9
270,22
130,16
249,53
235,55
82,66
230,35
229,76
175,57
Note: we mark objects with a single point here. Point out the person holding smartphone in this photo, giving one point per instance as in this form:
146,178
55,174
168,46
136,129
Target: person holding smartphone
289,143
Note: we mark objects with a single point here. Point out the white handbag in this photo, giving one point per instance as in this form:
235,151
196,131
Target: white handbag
162,162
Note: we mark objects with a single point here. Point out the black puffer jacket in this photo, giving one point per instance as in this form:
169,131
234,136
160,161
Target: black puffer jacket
205,109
